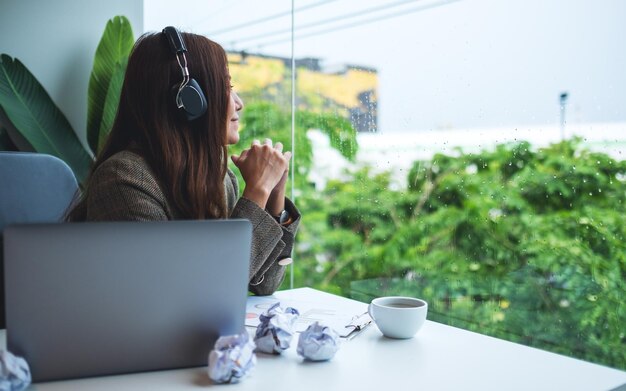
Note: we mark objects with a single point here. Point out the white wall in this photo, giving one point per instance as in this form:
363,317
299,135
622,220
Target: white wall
57,40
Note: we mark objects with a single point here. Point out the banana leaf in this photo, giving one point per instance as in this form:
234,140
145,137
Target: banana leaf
38,120
107,76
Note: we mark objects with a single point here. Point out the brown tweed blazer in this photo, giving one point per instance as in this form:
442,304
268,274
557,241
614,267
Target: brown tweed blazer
124,188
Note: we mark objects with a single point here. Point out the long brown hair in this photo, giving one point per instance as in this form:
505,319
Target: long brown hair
188,158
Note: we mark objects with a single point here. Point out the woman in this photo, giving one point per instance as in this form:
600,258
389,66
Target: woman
157,164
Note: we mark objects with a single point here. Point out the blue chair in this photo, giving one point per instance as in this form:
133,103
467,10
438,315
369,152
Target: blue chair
34,188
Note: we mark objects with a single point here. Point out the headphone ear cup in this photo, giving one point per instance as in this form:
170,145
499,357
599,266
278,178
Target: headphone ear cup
193,100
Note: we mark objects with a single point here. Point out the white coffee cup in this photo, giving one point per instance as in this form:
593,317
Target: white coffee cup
397,316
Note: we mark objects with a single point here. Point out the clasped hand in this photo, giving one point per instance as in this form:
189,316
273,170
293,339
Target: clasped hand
264,168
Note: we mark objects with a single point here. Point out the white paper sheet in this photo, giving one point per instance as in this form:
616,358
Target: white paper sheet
341,314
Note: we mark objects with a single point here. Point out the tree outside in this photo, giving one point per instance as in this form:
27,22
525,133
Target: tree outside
519,242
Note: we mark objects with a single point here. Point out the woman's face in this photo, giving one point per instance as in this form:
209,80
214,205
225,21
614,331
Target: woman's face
235,105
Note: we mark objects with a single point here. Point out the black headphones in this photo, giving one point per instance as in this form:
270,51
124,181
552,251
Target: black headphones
189,96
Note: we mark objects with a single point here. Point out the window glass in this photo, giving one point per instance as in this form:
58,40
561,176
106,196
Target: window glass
487,175
469,153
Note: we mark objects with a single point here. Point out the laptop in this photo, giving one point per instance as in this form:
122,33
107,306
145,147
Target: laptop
92,299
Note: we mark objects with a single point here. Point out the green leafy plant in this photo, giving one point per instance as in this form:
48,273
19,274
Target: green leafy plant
519,243
36,123
33,122
106,80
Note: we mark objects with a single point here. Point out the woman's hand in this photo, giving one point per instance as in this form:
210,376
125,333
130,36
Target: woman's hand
276,200
263,168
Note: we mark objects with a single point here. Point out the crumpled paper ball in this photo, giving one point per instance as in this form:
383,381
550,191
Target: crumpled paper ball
318,343
14,372
232,358
274,333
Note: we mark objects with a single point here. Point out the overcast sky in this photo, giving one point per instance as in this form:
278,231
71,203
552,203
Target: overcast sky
442,64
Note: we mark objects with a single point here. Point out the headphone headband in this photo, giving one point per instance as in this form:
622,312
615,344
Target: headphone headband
175,39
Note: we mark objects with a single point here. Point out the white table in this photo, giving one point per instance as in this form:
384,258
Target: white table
440,357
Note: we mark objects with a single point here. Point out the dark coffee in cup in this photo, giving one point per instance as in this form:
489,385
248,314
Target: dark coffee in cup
401,305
